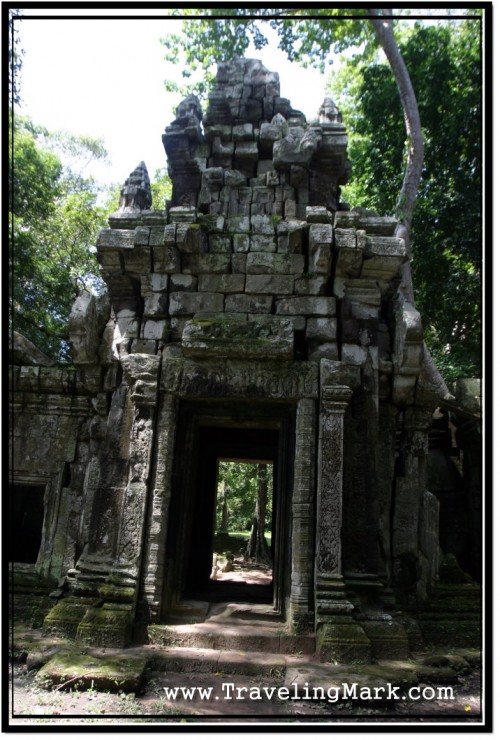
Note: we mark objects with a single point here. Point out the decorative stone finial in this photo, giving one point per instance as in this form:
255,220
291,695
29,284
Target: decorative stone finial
189,107
328,112
136,192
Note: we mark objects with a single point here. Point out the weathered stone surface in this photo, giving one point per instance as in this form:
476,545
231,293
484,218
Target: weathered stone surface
313,306
141,373
266,263
272,284
236,379
205,263
183,281
249,303
324,330
24,352
182,304
222,283
257,340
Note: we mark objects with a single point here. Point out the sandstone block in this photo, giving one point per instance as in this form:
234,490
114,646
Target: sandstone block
238,224
307,305
183,281
246,150
152,329
182,304
158,282
202,263
239,263
262,224
262,243
243,132
156,236
188,238
169,233
291,236
268,263
249,303
156,305
307,285
166,259
322,330
272,284
182,214
241,243
219,244
222,283
325,350
318,215
117,238
353,354
141,236
253,339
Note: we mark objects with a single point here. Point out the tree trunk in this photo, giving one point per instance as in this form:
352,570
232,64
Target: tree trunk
257,545
405,206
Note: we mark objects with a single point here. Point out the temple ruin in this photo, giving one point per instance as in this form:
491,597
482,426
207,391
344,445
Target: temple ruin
256,316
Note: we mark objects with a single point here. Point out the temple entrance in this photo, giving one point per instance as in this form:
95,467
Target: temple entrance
229,514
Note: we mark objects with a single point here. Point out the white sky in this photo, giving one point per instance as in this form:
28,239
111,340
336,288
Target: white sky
105,78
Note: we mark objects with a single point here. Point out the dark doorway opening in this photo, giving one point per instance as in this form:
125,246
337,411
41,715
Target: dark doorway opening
211,440
25,522
218,444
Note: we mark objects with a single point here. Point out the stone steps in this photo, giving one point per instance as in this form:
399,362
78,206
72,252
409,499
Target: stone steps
256,638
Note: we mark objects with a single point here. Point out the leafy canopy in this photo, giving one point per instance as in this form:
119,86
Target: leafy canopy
53,224
444,61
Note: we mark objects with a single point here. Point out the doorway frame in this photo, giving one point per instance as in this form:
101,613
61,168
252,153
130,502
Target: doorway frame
193,416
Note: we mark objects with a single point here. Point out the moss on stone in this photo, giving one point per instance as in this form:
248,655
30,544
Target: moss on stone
71,669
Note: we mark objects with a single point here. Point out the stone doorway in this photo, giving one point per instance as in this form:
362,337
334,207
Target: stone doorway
210,435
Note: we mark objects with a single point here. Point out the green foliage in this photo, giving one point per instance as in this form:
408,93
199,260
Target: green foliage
161,188
53,224
217,34
444,63
239,481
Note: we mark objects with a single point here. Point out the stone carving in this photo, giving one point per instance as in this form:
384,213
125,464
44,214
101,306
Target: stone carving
328,112
141,372
187,110
272,338
86,324
136,192
330,469
231,378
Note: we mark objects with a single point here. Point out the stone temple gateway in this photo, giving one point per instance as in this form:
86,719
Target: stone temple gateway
255,316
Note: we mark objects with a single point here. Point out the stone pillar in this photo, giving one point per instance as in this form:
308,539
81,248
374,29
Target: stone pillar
338,635
154,576
111,622
410,565
301,596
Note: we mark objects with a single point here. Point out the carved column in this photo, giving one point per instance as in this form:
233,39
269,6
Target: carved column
339,637
301,596
410,566
110,621
154,576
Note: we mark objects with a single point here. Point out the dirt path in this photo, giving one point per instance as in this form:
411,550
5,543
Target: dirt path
219,698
